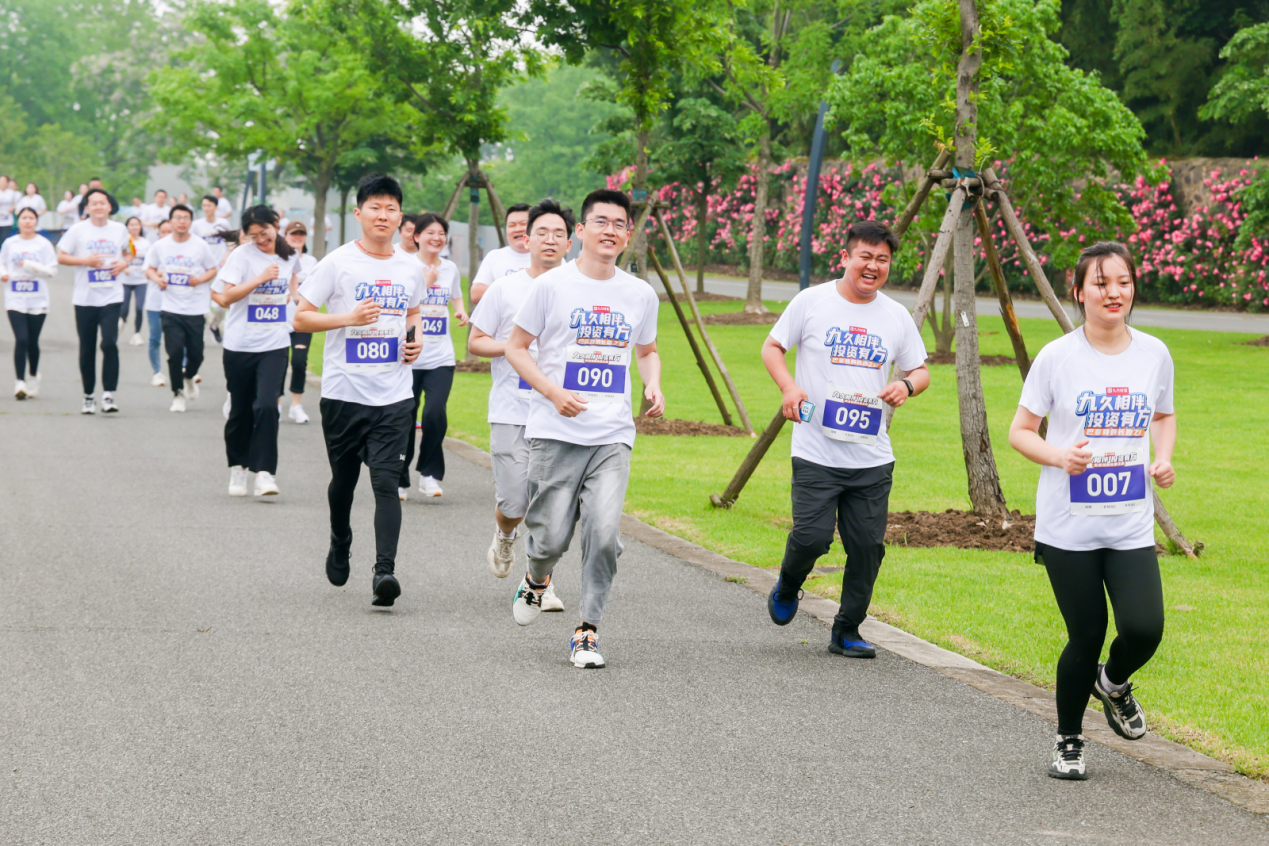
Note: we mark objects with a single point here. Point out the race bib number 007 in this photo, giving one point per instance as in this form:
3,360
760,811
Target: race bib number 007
596,375
1114,485
852,416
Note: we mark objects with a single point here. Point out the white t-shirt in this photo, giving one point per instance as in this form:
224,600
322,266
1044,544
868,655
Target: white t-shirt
211,233
136,267
1108,400
95,286
587,330
845,351
8,204
362,364
259,321
224,208
69,210
305,265
438,347
151,216
26,291
180,261
31,201
495,316
498,263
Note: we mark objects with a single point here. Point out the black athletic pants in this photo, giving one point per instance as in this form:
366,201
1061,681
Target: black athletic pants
26,341
251,432
300,343
134,292
373,435
183,340
434,386
857,502
88,320
1081,582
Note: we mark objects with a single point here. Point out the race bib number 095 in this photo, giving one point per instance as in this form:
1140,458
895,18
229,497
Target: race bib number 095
1113,489
852,416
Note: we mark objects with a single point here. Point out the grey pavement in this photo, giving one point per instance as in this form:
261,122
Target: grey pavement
176,669
1164,318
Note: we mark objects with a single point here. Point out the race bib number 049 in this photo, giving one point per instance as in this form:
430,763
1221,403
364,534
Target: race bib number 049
1112,487
371,350
596,375
852,416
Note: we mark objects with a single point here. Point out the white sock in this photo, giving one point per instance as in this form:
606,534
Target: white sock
514,532
1108,685
107,394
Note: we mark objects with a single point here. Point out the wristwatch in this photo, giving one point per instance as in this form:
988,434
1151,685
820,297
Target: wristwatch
911,390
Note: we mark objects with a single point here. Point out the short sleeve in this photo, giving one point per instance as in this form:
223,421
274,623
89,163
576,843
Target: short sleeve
69,242
152,256
484,273
788,328
911,345
230,274
1163,387
532,315
420,285
320,284
648,326
456,286
485,315
209,258
1037,391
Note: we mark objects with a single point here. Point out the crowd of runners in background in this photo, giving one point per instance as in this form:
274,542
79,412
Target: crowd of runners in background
562,337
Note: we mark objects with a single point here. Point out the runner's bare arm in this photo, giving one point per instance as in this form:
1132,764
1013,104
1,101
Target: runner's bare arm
649,363
566,403
896,393
1024,436
792,396
484,346
1163,436
234,293
309,319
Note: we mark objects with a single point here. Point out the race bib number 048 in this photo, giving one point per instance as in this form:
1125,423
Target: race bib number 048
852,416
1113,487
266,310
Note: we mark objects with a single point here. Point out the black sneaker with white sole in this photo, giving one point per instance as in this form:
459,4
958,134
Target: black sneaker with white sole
1122,711
1066,760
337,566
386,590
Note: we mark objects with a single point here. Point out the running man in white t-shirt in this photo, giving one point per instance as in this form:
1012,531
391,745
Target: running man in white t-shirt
182,265
371,292
589,319
297,237
1106,389
98,250
492,321
152,214
848,334
27,261
211,227
224,208
507,260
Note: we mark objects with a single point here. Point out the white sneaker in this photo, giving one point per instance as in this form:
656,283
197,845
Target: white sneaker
429,486
237,481
229,402
584,651
298,414
137,340
551,602
19,389
191,389
178,404
403,494
158,381
266,485
89,406
527,604
1066,760
108,404
32,386
502,554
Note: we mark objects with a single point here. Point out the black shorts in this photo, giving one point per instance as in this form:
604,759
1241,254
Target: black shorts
375,434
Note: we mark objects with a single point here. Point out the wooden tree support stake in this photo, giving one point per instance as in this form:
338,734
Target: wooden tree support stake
751,462
918,199
691,339
645,209
452,205
1002,292
495,205
700,324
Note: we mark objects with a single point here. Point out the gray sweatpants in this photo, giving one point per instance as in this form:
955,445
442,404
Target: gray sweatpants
568,482
510,453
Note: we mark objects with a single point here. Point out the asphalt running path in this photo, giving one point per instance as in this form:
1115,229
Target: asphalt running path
176,669
1210,321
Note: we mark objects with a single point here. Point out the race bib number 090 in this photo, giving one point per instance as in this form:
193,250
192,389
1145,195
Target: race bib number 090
1111,489
852,416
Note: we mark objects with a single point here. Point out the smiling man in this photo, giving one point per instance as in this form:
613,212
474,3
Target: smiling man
507,260
588,318
848,334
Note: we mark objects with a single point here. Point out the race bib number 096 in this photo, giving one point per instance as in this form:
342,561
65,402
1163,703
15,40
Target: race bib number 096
1113,489
852,416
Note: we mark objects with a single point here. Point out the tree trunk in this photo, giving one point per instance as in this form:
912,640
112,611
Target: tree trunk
985,495
702,239
321,187
640,239
473,222
343,215
758,229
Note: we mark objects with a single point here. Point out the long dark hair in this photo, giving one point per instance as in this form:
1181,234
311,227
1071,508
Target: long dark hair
262,215
1091,260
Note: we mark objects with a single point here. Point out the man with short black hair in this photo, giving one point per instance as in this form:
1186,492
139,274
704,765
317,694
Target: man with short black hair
224,208
507,260
152,214
94,184
409,225
848,335
588,317
371,292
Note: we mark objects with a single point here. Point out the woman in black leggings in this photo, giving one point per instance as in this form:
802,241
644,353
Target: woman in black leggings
27,260
1107,390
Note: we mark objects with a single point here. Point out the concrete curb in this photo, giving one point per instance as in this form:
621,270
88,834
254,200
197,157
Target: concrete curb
1214,776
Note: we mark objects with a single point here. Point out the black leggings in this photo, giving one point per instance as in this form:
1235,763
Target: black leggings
26,341
88,320
300,342
1081,581
434,386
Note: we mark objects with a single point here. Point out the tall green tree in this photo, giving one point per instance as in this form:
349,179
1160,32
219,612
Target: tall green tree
274,79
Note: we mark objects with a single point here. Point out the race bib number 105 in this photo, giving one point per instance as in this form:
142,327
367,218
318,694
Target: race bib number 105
1111,487
100,278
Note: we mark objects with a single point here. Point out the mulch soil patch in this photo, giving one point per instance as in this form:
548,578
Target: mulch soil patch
706,297
740,318
663,426
962,529
478,366
987,360
1259,342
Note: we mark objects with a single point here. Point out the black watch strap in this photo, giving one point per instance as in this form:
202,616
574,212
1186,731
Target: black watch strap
911,390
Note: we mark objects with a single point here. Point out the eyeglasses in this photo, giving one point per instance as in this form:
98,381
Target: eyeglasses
603,223
555,234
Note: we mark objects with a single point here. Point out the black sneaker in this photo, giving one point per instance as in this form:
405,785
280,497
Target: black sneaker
337,565
386,590
851,645
1067,758
1122,711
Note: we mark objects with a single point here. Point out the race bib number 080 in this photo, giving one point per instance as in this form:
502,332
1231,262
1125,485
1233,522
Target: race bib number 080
852,416
1114,487
369,349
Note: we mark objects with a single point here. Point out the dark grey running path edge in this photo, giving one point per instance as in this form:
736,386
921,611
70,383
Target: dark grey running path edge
1191,766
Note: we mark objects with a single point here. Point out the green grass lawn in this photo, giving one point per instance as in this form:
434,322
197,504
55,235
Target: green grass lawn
1206,685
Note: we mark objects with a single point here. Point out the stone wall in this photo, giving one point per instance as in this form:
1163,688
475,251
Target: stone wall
1188,174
